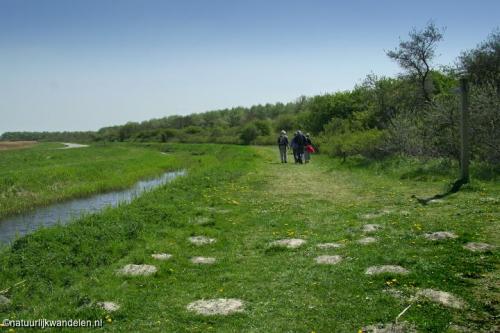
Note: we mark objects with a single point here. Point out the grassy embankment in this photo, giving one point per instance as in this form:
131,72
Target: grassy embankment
44,174
244,199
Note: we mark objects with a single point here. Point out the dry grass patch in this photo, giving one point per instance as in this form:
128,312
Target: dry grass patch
371,228
478,247
289,243
203,260
366,240
10,145
328,260
136,270
201,240
108,306
4,302
440,235
219,306
394,269
442,297
161,256
389,328
330,245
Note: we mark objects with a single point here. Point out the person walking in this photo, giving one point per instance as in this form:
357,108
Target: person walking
300,141
294,147
309,149
283,146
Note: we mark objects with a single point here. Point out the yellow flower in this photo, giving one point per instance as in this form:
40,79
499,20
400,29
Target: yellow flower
109,320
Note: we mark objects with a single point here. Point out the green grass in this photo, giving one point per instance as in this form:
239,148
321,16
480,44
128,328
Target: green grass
44,174
247,200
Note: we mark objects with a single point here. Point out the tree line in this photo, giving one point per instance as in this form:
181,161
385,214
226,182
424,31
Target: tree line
414,113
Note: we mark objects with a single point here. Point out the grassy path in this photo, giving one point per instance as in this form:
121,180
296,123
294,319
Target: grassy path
244,199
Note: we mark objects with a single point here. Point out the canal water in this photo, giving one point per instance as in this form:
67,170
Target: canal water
64,212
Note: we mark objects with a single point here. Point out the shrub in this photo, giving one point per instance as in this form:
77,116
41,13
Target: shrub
367,143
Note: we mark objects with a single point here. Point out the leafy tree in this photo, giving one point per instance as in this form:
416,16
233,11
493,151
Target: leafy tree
482,64
249,134
415,55
263,126
286,122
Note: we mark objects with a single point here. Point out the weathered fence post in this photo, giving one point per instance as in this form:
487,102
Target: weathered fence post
464,131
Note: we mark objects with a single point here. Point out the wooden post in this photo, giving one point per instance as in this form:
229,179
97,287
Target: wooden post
464,131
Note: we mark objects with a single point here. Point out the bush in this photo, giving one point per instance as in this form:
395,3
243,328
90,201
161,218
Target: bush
266,140
367,143
249,134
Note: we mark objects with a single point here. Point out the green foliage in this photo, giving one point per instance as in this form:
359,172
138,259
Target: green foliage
482,64
286,122
249,133
350,143
485,123
325,107
263,127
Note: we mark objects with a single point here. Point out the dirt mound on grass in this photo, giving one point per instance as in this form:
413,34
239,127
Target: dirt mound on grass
161,256
375,270
440,235
201,240
366,240
328,260
219,306
203,260
442,297
389,328
330,245
4,302
108,306
135,270
371,228
478,247
290,243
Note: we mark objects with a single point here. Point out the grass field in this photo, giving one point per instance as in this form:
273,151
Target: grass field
245,199
44,174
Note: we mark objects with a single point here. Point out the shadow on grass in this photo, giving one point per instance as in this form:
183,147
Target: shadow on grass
455,187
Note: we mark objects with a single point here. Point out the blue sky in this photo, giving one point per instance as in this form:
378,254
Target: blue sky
81,65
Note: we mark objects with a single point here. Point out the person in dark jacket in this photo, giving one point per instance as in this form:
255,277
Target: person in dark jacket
299,141
283,146
294,147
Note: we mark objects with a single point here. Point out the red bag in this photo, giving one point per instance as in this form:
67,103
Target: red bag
310,149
